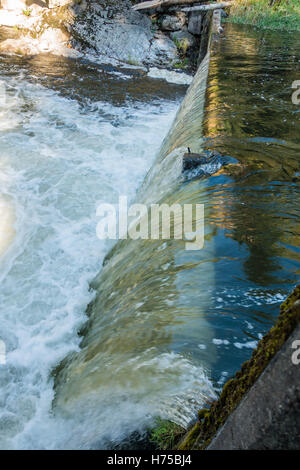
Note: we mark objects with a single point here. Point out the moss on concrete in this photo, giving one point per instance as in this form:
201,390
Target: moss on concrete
235,389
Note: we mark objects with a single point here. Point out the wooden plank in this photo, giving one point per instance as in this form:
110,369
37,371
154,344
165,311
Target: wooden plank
159,3
148,5
211,6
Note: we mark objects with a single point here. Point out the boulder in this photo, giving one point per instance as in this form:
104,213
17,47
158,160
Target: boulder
173,22
13,4
52,38
122,34
195,23
163,52
184,39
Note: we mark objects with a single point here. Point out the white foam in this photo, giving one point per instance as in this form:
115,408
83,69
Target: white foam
247,345
180,78
61,159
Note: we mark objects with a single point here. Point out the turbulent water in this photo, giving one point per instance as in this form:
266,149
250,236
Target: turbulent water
170,324
65,146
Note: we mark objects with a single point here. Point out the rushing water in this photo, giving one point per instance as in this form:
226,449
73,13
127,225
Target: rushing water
166,324
71,135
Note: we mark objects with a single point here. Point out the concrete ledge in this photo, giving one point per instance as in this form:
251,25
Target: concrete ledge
259,408
269,415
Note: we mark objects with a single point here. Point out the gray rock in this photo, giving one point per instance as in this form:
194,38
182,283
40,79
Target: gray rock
163,52
173,22
185,38
123,34
108,27
195,23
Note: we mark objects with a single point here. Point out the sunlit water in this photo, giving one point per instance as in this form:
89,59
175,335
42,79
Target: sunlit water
255,207
73,135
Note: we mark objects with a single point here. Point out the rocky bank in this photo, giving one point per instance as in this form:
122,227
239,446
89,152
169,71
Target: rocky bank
105,28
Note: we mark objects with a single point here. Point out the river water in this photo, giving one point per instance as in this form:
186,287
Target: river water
74,134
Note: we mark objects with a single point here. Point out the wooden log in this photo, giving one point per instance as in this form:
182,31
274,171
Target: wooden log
162,3
147,5
211,6
180,3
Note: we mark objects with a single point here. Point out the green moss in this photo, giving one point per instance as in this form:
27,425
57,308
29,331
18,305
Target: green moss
283,14
182,45
234,390
191,437
165,434
182,64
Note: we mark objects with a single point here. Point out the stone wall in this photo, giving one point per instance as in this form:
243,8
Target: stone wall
187,30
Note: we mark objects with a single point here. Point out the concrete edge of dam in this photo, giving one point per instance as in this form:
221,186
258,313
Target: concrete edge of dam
258,409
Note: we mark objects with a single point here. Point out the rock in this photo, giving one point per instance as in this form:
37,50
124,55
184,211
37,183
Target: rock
13,4
52,39
171,76
106,27
23,46
184,38
173,22
195,23
123,34
37,9
193,160
10,18
197,164
59,3
163,52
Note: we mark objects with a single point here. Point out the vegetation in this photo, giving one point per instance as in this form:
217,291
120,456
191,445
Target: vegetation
27,12
209,421
271,14
184,64
182,45
166,434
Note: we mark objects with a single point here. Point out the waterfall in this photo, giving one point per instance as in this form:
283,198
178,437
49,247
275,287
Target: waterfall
135,361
